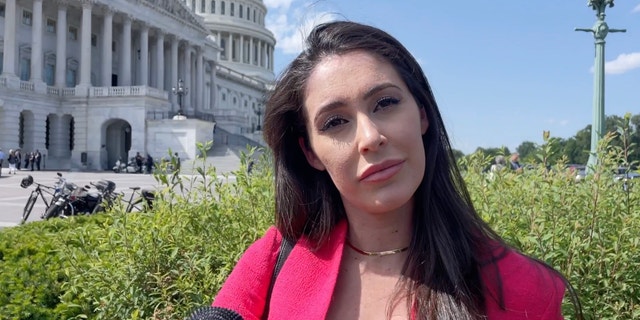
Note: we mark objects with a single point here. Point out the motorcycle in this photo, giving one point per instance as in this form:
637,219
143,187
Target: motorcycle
130,167
59,202
85,200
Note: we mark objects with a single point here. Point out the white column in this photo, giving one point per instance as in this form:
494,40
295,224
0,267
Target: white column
144,55
199,80
251,50
107,54
271,58
259,53
160,60
174,68
212,92
61,46
85,45
9,60
125,52
36,43
230,48
187,77
241,48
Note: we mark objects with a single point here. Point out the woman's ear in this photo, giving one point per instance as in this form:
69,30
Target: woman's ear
312,159
424,121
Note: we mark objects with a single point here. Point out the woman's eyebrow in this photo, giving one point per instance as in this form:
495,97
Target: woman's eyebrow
379,87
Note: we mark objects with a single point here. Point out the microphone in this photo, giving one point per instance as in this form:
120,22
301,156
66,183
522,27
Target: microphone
214,313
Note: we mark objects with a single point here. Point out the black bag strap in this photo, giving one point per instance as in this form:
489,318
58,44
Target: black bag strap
285,248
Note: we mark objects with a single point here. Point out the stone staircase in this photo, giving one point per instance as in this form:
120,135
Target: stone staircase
224,155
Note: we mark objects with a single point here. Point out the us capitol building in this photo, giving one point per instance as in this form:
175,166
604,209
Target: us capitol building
88,82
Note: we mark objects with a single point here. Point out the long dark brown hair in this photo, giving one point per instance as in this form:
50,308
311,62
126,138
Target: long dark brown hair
450,241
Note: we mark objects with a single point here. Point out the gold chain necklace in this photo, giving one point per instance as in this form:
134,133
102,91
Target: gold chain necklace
376,253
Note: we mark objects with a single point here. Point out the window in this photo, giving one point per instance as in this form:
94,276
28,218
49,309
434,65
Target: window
71,78
51,26
25,69
222,7
254,15
113,46
27,17
248,13
240,11
49,73
1,61
2,10
73,33
193,5
232,9
223,45
202,6
94,40
224,97
213,6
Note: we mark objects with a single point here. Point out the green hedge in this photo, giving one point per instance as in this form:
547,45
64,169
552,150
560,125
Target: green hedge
162,264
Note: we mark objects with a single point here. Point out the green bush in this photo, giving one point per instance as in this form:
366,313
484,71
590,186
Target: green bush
163,263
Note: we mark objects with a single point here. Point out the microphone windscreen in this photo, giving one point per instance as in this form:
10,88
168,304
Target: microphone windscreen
214,313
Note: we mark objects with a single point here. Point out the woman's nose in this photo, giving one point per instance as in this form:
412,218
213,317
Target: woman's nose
368,135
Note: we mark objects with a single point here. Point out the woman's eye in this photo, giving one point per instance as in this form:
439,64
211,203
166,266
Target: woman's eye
332,122
385,102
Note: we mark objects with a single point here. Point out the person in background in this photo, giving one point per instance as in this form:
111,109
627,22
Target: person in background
367,189
37,156
498,164
1,160
12,159
177,162
138,162
19,156
514,162
149,163
27,160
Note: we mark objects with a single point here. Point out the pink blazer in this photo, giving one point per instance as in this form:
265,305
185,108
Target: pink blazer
306,282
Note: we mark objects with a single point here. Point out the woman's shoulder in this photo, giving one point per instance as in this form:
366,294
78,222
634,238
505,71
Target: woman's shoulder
245,288
518,286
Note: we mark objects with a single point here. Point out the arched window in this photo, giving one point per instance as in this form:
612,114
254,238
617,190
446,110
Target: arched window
248,13
240,11
202,6
193,5
222,7
213,6
232,9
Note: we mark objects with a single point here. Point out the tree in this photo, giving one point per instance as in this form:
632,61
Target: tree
457,154
526,151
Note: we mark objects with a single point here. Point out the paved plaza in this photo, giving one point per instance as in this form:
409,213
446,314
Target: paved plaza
13,197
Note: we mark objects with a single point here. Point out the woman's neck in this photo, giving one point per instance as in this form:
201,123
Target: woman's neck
380,231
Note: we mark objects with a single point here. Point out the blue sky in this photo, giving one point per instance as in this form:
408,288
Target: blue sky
502,71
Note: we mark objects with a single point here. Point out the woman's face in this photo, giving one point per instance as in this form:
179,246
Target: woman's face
365,129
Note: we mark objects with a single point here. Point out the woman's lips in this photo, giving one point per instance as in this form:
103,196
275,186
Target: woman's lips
382,171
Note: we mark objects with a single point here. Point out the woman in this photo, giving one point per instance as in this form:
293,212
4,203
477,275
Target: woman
367,186
13,159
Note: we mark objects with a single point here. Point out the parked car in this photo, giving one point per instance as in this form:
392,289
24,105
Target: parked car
626,173
579,170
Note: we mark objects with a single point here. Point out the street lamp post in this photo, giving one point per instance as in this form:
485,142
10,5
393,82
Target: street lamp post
258,112
600,30
180,91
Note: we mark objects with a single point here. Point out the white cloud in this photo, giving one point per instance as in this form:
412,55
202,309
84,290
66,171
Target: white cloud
276,4
636,9
291,22
623,63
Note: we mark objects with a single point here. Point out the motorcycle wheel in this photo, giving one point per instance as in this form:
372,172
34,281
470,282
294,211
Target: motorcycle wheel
53,211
